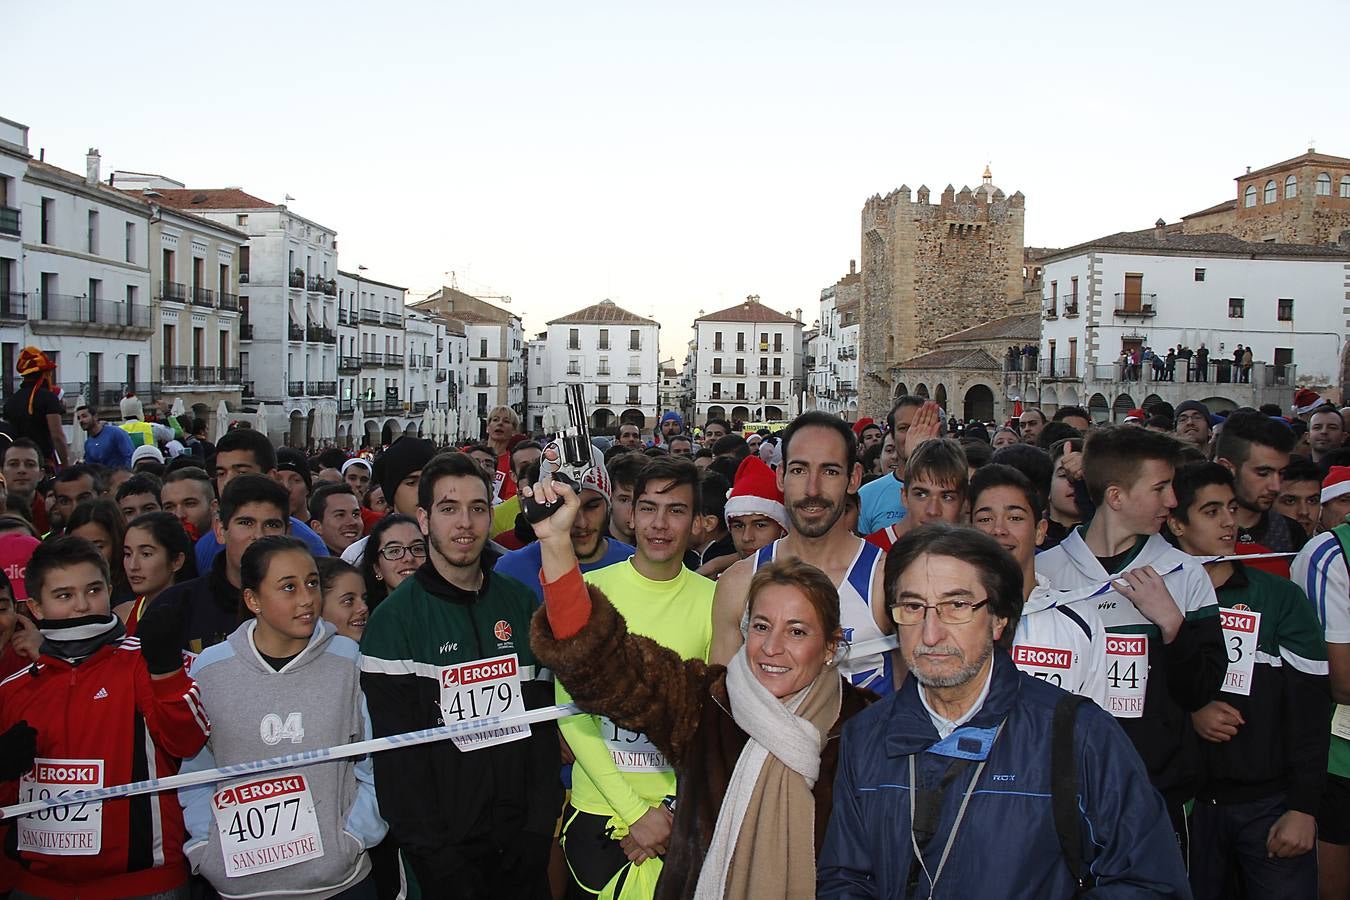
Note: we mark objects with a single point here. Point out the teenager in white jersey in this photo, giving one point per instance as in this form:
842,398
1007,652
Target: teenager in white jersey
818,471
1165,654
1063,644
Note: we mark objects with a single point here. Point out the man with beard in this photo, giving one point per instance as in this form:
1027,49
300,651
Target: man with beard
1192,424
714,431
474,815
1255,448
593,549
630,436
819,470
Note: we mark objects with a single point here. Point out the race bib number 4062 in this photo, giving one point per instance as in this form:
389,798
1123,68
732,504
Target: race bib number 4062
267,823
75,830
483,689
1126,674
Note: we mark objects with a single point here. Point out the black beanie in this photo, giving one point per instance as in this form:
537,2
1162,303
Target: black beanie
405,456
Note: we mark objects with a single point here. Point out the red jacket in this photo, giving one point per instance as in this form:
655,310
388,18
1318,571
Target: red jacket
107,708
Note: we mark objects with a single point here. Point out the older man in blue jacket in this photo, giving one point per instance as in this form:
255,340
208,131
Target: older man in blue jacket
944,788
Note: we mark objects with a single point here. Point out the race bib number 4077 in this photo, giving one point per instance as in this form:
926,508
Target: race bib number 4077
265,824
483,689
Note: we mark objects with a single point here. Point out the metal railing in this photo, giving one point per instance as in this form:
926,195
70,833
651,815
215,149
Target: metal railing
372,359
9,220
349,364
342,316
295,332
205,374
419,406
246,389
13,305
245,331
393,318
346,407
323,388
1136,304
441,375
228,374
174,291
370,316
203,297
330,288
174,375
314,284
393,359
228,301
81,309
296,280
295,388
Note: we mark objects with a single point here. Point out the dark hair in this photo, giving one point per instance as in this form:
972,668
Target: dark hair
318,501
978,453
725,466
676,469
61,553
943,460
999,573
703,453
733,444
1270,409
900,403
1032,462
140,483
257,443
333,458
870,457
449,465
1328,411
253,488
377,590
680,437
998,475
1116,454
256,559
522,445
76,472
191,473
1188,481
817,418
1076,412
1055,431
626,467
1243,428
712,494
814,584
23,443
870,425
330,569
653,452
1060,447
726,426
1301,468
614,451
169,533
478,447
104,513
1037,410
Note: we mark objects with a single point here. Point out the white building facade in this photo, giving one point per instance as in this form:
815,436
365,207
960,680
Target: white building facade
749,364
374,358
615,354
536,377
1163,290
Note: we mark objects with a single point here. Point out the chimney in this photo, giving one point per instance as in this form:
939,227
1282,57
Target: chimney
799,314
853,267
91,161
1160,230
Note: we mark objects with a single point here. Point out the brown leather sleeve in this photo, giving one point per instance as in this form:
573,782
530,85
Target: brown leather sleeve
633,680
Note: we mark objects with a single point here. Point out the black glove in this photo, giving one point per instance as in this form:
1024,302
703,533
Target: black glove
18,747
161,636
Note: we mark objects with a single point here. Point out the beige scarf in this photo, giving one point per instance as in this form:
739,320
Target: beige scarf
765,830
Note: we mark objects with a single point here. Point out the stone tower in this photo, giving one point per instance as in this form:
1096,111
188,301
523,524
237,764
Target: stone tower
933,269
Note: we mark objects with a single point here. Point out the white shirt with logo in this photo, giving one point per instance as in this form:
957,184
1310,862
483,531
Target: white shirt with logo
1064,645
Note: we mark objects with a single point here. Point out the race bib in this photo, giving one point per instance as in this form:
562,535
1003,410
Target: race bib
267,823
1240,628
1340,722
498,479
1051,664
632,751
75,830
479,690
1126,674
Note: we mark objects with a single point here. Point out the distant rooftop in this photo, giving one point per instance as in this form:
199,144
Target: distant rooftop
749,310
606,312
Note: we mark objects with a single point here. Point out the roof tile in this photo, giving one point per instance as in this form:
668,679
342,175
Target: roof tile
748,311
606,312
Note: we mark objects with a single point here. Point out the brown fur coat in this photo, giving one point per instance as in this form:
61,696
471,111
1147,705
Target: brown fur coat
682,707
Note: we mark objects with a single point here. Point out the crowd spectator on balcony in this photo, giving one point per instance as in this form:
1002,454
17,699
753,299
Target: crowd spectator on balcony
1247,365
1170,365
103,445
35,409
1201,363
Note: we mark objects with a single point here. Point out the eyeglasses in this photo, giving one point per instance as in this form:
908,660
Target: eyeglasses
397,551
949,612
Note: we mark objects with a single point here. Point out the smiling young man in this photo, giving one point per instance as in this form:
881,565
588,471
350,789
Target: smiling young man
1062,644
619,776
818,472
594,550
335,516
474,814
1164,648
1264,740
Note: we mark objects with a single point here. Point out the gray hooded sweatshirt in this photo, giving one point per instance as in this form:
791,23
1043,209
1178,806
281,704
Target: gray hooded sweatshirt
256,712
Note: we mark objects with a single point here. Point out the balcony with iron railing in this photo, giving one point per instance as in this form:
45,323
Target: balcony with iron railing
349,365
320,334
314,284
441,375
175,375
246,389
1143,305
228,375
393,318
9,221
427,362
295,388
245,331
51,313
393,359
323,388
372,359
297,279
205,374
346,406
203,297
295,332
330,288
370,316
173,291
243,278
228,301
342,317
419,407
13,305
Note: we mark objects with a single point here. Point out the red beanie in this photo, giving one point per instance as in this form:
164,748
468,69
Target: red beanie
862,423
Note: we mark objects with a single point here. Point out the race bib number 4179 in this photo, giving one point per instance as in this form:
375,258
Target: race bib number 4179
483,689
1126,674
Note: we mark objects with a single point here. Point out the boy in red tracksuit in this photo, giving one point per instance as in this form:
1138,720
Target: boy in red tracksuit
97,709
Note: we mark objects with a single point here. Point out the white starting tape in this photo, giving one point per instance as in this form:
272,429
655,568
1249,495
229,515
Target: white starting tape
294,760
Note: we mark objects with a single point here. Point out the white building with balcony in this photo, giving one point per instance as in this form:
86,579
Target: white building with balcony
74,277
287,305
424,392
455,377
615,354
1161,289
536,405
373,359
748,364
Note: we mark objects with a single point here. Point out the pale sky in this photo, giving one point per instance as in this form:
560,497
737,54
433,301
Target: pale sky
674,159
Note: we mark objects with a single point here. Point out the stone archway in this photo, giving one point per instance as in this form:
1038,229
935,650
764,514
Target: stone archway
1121,407
773,413
634,417
921,390
1099,409
389,431
716,412
740,414
601,418
296,434
900,390
979,403
940,396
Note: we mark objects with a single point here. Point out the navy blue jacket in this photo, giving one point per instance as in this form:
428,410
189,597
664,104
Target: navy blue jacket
1006,846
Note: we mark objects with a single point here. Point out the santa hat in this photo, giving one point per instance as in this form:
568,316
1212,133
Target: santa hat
862,423
1336,483
1305,401
755,493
